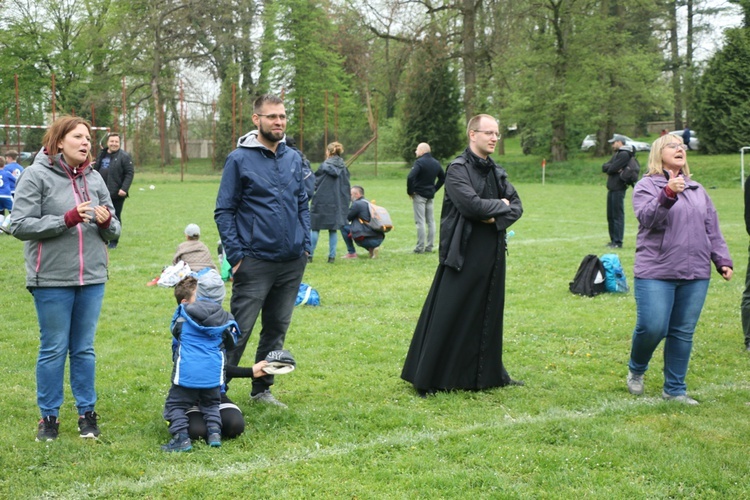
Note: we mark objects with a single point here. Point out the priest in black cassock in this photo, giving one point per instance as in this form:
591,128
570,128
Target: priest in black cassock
458,340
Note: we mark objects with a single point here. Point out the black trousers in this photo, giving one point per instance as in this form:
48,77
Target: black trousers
616,216
270,289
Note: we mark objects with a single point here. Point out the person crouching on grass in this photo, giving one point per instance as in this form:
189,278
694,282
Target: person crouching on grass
201,330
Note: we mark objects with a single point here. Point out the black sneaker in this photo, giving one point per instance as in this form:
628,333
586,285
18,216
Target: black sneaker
87,427
214,437
179,442
47,430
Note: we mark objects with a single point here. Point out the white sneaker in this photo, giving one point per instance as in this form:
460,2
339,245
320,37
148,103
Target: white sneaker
267,398
635,383
682,398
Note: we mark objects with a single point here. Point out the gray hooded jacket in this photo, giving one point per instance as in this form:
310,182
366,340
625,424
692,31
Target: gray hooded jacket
55,254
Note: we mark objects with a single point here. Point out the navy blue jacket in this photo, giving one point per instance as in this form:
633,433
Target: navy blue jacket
422,177
261,208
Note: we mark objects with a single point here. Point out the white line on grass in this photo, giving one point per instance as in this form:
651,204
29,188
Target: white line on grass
401,437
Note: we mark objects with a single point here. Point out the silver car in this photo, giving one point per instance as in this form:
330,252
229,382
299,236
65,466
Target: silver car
694,144
589,142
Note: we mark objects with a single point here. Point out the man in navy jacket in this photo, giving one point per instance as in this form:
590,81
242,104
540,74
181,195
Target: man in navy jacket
425,178
264,223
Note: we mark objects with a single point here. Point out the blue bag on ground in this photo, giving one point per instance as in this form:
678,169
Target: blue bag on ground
307,295
614,276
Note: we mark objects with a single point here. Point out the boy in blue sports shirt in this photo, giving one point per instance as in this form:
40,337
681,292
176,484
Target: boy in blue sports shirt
201,330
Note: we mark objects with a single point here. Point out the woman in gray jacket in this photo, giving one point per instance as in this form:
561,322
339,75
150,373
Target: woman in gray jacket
330,203
65,216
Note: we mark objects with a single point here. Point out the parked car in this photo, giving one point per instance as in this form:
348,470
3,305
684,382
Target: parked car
24,156
589,142
695,143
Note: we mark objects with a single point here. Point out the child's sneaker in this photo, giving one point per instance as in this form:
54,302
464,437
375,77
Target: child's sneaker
87,427
214,437
179,442
47,430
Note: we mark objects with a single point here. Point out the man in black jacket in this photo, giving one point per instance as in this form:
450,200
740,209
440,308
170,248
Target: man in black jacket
116,168
616,189
425,178
746,293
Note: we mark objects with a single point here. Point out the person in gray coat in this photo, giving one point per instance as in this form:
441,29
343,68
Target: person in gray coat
65,217
330,203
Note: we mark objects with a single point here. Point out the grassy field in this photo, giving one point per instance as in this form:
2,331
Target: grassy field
353,428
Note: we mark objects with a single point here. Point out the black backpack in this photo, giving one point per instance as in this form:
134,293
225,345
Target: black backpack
629,175
589,280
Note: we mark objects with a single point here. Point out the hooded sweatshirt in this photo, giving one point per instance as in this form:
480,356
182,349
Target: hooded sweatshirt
57,255
261,208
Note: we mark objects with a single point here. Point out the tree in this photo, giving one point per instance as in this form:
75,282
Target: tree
722,111
432,106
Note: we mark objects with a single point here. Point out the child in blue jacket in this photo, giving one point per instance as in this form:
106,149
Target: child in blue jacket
202,329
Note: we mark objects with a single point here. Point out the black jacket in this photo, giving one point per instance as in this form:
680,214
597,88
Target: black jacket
421,179
120,172
462,205
615,165
360,211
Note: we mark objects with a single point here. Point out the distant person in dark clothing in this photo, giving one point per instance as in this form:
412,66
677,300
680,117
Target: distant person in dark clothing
331,199
116,168
616,188
358,232
423,181
686,137
458,340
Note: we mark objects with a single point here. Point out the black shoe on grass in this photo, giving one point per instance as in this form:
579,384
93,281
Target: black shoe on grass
47,430
87,427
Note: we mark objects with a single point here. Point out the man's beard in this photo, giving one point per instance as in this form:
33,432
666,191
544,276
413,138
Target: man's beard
271,136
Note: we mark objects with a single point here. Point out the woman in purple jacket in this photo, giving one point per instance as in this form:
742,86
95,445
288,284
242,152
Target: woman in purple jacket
678,239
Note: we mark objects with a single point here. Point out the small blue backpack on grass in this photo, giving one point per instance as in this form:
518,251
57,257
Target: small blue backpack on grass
614,276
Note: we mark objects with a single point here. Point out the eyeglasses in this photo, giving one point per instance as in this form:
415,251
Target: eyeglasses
489,133
273,117
676,145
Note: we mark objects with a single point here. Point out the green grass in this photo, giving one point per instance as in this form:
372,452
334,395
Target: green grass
353,428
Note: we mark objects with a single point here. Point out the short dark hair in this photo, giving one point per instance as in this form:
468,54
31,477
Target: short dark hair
265,99
113,134
185,289
12,153
360,189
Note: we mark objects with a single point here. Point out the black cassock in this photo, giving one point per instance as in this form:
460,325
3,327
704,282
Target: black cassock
458,340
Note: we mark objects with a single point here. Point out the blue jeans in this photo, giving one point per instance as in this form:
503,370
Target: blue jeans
333,239
347,239
67,324
667,309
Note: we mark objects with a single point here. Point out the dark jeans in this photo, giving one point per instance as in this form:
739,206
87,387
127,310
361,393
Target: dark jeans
746,305
347,239
118,202
181,399
270,287
616,215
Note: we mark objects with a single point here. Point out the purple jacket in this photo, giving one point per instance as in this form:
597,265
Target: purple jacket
677,239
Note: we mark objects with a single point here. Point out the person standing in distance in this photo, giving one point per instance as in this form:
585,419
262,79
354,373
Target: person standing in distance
616,188
264,223
458,340
424,180
116,168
